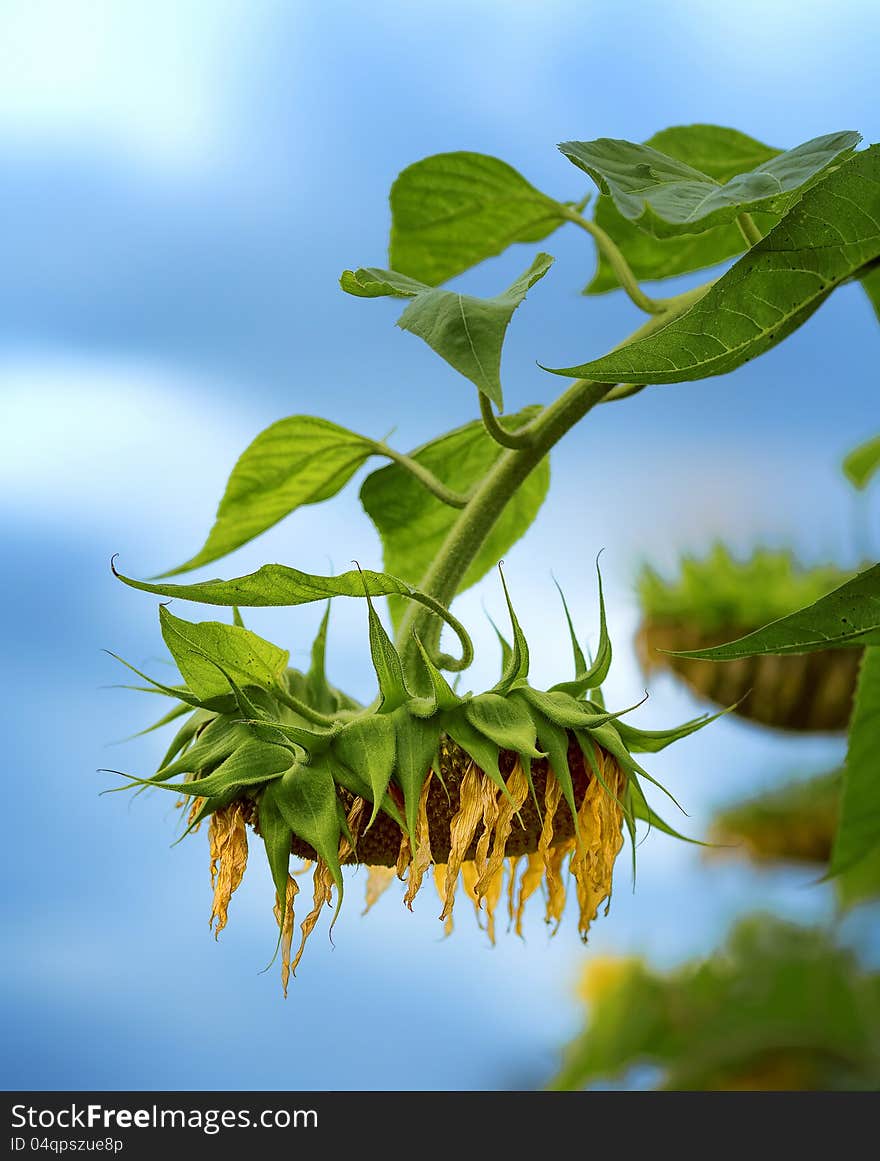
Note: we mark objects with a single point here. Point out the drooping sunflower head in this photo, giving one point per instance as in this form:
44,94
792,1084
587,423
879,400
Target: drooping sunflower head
503,791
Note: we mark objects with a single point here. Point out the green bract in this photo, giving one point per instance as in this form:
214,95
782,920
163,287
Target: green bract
296,756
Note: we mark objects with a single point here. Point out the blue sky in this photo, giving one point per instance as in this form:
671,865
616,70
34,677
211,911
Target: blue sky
183,183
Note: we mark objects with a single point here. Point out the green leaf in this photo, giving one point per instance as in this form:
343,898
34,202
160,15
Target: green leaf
416,741
719,153
307,800
505,722
830,236
668,197
453,210
200,648
367,746
653,741
296,461
858,831
849,616
413,524
467,332
861,463
871,283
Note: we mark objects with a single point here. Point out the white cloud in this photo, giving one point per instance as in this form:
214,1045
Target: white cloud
150,80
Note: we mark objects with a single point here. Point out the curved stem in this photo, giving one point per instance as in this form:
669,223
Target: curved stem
622,270
492,494
515,439
424,475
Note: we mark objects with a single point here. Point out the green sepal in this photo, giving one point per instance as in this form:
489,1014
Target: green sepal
311,741
641,810
187,732
505,722
517,667
554,739
444,696
653,741
277,837
474,743
506,647
583,739
307,798
215,744
318,692
566,710
209,806
367,745
207,651
250,764
173,714
180,693
592,677
580,662
417,740
609,739
386,662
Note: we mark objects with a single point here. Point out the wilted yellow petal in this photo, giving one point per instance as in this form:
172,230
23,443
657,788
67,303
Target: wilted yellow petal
462,829
404,856
197,804
469,876
493,894
323,888
553,861
355,819
533,873
508,805
227,838
307,865
422,858
378,881
285,922
440,884
489,794
512,864
601,823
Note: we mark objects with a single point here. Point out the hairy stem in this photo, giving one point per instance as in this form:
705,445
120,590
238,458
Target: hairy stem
425,477
492,494
748,229
622,270
492,424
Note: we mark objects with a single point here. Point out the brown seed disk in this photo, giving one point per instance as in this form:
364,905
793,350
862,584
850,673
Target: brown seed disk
808,692
380,845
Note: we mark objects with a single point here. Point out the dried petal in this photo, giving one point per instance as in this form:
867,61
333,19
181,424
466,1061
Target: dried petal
227,837
355,820
601,823
508,805
378,881
404,857
422,859
323,888
533,873
489,794
512,865
285,922
492,895
462,830
197,804
440,884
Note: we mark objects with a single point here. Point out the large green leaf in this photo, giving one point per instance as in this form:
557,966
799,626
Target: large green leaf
862,462
716,151
850,616
467,332
828,237
296,461
201,649
668,197
413,524
858,831
871,283
277,584
453,210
